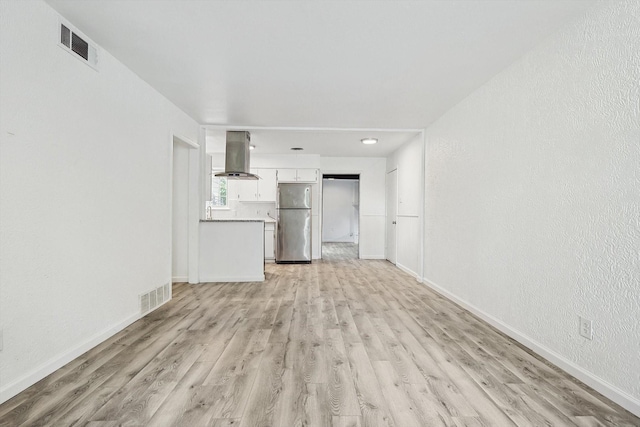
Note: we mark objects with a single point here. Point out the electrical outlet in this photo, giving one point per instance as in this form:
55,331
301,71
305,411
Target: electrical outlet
586,328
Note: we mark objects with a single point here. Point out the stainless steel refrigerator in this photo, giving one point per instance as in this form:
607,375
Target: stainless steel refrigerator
293,223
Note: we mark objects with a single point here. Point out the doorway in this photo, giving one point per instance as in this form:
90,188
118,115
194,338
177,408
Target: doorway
183,208
340,216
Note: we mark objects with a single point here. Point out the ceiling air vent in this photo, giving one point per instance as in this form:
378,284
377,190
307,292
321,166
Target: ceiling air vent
78,45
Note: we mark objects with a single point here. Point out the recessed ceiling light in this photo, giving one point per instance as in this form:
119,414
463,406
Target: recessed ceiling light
369,141
297,148
252,147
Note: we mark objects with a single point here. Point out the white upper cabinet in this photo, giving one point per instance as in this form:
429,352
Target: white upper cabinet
307,175
246,189
287,175
267,185
297,175
261,190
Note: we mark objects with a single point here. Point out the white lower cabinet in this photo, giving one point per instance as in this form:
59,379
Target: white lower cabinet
269,241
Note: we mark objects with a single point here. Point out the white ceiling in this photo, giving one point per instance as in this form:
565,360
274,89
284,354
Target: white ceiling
326,143
318,63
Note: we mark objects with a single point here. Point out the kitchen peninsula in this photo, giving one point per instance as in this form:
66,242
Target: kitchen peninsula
231,250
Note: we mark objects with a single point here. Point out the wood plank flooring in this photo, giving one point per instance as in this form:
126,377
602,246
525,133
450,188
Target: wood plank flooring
341,342
333,251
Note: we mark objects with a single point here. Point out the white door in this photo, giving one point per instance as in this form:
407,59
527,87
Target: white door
392,209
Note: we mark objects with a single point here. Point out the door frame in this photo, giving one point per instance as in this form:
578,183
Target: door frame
193,216
321,207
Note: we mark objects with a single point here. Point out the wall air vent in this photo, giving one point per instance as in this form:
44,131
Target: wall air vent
155,298
78,45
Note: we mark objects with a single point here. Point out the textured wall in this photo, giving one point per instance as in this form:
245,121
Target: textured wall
533,195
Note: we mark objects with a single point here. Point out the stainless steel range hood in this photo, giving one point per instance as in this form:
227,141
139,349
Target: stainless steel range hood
236,165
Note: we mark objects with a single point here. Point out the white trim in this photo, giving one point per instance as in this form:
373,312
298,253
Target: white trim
407,216
409,271
179,279
185,140
621,397
47,368
218,279
310,129
372,257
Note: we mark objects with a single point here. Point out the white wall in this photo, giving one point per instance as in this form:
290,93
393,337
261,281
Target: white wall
533,199
408,160
340,210
372,199
180,213
85,189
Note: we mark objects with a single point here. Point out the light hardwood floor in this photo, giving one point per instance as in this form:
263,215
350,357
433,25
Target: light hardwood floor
343,343
332,251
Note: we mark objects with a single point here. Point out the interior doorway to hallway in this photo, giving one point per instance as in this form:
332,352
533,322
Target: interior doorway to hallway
340,216
184,208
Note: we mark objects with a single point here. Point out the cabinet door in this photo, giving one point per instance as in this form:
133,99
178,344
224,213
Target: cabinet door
307,175
267,185
247,190
269,244
233,189
286,175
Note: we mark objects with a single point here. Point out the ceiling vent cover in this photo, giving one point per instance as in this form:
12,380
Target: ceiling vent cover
78,45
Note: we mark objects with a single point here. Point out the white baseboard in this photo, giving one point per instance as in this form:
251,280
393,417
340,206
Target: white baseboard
216,279
372,257
409,271
179,279
10,390
619,396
